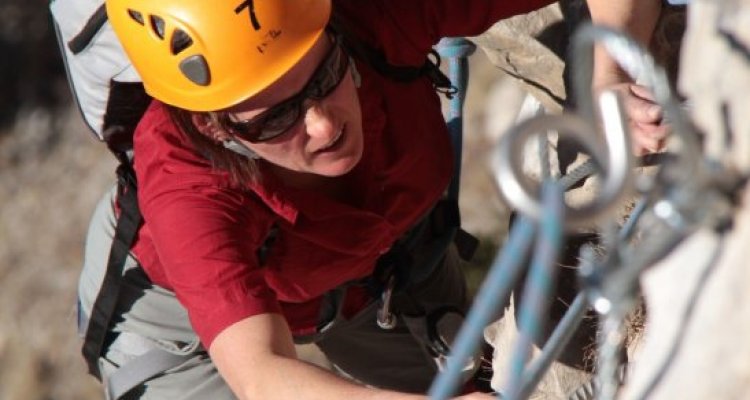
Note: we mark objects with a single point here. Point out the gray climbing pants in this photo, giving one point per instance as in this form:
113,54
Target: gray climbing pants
149,317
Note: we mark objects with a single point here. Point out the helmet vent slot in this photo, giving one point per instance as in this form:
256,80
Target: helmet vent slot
195,68
180,41
157,24
136,16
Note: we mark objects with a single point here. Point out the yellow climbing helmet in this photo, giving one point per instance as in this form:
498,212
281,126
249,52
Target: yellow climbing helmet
206,55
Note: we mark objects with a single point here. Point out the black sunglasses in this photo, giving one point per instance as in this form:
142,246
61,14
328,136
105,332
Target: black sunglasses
276,120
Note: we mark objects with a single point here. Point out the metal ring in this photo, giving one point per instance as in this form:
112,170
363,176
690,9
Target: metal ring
613,157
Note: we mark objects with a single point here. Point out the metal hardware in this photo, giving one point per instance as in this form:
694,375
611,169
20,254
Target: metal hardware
385,318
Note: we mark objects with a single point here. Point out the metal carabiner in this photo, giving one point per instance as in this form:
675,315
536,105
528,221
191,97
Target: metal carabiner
385,318
639,65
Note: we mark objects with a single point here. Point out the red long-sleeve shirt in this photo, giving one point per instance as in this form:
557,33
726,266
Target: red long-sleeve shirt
200,237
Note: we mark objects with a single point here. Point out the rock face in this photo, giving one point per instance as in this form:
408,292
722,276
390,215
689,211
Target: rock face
695,345
532,49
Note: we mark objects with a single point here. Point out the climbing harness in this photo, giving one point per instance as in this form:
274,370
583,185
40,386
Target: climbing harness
432,327
411,261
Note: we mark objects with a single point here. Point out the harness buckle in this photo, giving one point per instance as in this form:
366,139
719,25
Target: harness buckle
442,327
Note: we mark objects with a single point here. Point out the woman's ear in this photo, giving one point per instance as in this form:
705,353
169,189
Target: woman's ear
208,125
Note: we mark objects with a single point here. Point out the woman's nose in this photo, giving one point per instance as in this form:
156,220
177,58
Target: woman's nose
320,121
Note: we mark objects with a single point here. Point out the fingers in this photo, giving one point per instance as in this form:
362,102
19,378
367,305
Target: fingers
645,118
647,129
648,138
642,92
642,109
638,102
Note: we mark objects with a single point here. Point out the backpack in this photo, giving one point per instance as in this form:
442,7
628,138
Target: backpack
111,99
106,88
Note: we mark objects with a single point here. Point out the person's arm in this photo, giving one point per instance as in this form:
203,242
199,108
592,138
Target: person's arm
206,236
256,358
638,19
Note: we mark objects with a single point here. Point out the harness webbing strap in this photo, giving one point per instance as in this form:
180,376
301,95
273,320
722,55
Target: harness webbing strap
139,370
104,306
126,104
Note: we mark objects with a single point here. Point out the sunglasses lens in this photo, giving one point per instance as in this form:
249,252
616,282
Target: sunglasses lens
278,123
248,130
329,75
281,117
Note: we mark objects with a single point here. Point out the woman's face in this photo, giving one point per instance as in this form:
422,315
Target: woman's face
327,138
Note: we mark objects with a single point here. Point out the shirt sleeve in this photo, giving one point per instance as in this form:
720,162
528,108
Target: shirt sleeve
205,235
208,255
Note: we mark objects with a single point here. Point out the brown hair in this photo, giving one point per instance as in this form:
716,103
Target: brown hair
241,169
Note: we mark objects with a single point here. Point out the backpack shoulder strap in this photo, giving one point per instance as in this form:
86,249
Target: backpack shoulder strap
104,306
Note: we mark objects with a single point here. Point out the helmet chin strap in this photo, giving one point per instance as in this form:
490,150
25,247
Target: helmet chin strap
240,148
